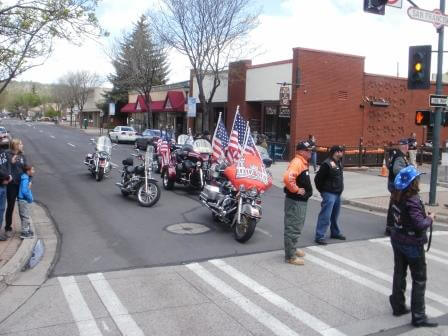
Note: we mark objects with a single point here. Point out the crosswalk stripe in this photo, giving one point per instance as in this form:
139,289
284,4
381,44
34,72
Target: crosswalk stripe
81,313
269,321
380,275
363,281
440,252
118,312
301,315
387,239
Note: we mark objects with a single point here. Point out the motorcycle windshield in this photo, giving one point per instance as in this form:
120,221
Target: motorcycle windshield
103,144
202,146
184,139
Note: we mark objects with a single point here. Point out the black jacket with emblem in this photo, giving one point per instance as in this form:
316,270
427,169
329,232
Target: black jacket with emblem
330,177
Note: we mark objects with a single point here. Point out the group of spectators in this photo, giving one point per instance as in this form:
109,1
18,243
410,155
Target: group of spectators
15,185
407,220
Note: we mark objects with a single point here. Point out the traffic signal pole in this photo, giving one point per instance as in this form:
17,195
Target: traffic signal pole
437,117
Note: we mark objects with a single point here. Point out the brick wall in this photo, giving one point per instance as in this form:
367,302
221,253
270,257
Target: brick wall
237,90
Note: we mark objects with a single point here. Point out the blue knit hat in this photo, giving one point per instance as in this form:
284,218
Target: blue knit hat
405,177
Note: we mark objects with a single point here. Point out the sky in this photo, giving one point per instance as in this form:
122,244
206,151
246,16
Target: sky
330,25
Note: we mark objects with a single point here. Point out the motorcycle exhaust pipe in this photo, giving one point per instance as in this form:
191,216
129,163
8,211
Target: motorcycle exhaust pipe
118,184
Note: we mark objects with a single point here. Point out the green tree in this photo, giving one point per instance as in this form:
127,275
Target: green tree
140,63
28,29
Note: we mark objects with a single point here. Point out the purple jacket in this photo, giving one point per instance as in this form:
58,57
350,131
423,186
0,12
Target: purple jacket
413,219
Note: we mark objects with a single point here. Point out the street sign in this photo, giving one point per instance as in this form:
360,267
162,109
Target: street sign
435,17
191,112
438,100
395,3
111,109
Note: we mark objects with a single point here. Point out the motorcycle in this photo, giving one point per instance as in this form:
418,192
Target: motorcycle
138,181
233,194
187,165
98,163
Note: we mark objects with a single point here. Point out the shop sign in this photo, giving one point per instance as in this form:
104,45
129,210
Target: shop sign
284,95
111,109
270,110
285,112
191,111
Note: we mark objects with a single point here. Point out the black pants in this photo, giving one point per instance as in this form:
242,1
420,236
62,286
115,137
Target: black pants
12,191
390,217
414,257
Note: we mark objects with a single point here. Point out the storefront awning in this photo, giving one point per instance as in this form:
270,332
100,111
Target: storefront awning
174,102
141,106
128,108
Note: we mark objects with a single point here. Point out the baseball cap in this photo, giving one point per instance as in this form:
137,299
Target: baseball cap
405,177
403,141
336,148
303,145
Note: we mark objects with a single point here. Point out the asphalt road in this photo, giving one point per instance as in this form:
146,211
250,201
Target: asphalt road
102,231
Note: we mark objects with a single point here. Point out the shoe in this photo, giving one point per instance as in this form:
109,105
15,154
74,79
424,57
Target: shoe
3,238
9,233
300,253
401,312
424,323
296,261
27,235
321,241
339,236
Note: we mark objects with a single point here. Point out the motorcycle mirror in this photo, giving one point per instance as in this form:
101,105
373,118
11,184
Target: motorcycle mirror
267,162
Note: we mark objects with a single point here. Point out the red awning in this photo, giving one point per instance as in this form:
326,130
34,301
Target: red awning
128,108
141,106
174,102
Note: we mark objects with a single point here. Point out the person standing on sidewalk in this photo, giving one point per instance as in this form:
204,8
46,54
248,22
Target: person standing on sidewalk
16,163
25,197
397,161
5,178
312,141
298,190
408,237
413,149
329,181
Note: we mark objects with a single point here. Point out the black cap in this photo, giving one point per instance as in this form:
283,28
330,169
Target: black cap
403,141
303,145
336,148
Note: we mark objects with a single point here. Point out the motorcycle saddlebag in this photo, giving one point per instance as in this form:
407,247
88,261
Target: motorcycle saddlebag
128,162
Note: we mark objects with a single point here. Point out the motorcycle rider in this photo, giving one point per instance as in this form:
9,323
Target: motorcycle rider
298,190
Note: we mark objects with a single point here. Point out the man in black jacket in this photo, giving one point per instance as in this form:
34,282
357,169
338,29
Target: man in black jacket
329,181
5,178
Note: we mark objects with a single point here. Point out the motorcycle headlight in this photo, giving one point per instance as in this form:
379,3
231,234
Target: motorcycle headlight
253,192
199,163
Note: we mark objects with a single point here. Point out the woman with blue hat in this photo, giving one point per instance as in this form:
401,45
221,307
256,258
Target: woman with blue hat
408,238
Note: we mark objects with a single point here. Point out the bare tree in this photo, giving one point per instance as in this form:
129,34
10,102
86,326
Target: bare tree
140,63
209,33
76,87
28,29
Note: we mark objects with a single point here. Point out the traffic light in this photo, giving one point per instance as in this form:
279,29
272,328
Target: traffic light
419,67
423,118
375,6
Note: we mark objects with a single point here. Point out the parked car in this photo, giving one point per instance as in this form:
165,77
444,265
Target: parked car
148,136
5,137
45,119
123,133
28,119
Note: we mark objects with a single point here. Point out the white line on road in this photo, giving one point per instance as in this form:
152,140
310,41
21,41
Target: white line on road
40,131
68,143
263,232
301,315
118,312
269,321
52,136
387,239
440,252
380,275
81,313
363,281
114,165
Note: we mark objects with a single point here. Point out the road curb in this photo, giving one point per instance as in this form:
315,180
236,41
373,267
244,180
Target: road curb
10,271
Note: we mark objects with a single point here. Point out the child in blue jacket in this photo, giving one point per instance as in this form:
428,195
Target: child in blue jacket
25,198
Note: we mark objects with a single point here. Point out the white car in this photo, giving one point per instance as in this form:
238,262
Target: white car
123,133
28,119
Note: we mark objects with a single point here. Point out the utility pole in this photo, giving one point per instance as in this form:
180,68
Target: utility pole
437,116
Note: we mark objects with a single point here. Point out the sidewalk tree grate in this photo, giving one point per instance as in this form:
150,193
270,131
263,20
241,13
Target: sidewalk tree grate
187,228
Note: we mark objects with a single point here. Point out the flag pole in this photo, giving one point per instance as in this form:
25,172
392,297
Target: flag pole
216,128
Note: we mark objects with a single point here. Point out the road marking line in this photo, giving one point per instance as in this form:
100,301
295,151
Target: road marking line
301,315
363,281
387,239
440,252
81,313
263,232
269,321
52,136
380,275
118,312
68,143
428,255
114,165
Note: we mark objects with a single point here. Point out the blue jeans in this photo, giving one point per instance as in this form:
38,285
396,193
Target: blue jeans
329,213
314,160
2,202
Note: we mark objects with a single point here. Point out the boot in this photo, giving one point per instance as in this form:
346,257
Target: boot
296,261
300,253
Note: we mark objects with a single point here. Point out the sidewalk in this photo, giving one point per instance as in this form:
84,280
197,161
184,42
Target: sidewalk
90,130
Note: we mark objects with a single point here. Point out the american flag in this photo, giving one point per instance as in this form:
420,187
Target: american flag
237,138
220,141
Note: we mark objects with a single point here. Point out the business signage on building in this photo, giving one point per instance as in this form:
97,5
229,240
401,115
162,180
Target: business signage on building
191,112
285,112
284,96
111,109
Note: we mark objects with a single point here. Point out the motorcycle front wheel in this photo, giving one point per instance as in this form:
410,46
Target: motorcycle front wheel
168,184
148,199
243,231
100,174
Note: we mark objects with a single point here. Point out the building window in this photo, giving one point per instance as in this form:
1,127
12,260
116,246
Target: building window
276,124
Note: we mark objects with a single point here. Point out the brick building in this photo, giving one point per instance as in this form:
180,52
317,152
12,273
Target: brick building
331,97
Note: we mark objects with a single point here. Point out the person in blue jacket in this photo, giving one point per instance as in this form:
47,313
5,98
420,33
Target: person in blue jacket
25,198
